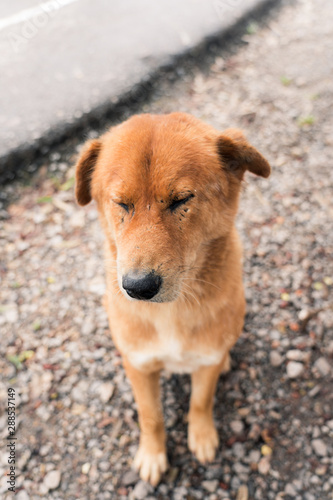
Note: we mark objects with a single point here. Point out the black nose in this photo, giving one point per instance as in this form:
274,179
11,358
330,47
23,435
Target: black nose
142,287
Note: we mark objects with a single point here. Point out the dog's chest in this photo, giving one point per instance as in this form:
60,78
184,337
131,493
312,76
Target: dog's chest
168,349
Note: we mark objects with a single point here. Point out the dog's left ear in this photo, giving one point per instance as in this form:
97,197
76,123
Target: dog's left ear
237,155
84,170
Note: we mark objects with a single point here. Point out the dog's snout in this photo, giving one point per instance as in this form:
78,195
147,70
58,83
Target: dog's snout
142,287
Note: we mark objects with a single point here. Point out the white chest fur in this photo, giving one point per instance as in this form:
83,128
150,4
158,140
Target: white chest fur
175,361
168,350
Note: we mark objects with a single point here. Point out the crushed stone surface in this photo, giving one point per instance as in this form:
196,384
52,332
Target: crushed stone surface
76,420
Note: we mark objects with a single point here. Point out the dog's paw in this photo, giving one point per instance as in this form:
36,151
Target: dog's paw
203,441
150,466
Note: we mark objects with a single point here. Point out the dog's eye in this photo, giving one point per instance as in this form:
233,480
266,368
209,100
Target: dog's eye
124,206
177,203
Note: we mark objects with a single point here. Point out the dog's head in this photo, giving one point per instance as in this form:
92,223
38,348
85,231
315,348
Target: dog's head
166,186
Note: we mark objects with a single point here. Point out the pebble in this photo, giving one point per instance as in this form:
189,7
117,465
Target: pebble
254,456
104,466
210,486
141,490
237,426
314,391
44,450
22,495
238,450
275,359
235,483
294,369
243,493
85,468
239,468
319,447
130,477
106,391
180,493
290,490
323,366
88,328
52,479
79,393
295,355
77,219
264,465
11,313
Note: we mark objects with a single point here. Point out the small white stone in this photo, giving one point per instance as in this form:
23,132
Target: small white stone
85,468
43,490
141,490
264,465
290,490
179,493
237,426
275,359
295,355
211,486
238,450
77,219
79,392
88,328
97,286
22,495
319,447
243,493
315,432
11,313
254,456
44,450
323,366
303,314
52,479
106,391
297,483
294,369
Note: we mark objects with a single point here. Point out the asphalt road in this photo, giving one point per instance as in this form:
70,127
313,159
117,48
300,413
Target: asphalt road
62,59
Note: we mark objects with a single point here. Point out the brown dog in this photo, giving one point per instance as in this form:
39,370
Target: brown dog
167,190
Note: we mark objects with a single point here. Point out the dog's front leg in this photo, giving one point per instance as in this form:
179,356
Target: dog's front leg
202,435
151,459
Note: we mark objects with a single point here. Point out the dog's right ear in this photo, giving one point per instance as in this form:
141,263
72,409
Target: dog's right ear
238,155
84,170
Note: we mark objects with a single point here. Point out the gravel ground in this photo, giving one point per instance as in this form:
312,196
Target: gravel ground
76,422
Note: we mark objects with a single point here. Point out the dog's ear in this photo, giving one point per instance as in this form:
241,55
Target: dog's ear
84,169
237,155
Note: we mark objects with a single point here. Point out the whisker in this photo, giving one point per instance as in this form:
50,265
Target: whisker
110,269
191,292
115,280
186,299
204,281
